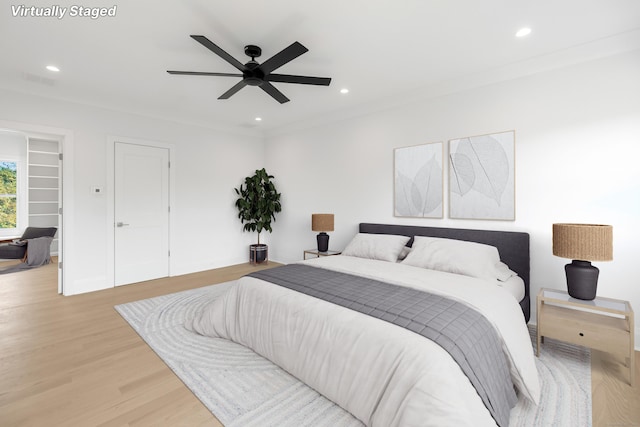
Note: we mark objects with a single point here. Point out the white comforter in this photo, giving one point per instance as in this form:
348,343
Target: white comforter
382,374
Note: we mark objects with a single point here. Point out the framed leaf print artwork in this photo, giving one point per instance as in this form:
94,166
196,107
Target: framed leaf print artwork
418,176
482,177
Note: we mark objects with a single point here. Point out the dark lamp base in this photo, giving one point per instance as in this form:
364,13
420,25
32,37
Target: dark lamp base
582,279
323,242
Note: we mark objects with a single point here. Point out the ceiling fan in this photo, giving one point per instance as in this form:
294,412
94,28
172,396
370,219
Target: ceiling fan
255,74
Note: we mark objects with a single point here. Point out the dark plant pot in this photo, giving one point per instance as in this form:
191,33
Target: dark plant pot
258,253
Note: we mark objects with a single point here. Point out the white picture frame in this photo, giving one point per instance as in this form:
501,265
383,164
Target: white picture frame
482,177
418,181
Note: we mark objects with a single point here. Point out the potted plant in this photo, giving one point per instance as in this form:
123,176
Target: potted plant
257,204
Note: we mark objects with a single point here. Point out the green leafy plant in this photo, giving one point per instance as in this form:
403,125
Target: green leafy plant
258,202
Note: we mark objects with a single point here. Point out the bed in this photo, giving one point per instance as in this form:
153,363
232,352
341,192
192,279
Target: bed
512,246
379,369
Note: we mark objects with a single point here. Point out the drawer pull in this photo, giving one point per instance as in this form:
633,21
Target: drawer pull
581,334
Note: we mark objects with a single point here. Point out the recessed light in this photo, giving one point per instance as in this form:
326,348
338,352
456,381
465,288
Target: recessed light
258,119
344,90
523,32
53,68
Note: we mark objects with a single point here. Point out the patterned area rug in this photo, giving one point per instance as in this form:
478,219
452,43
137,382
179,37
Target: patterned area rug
243,389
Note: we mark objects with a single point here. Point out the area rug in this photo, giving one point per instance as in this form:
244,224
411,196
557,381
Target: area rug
243,389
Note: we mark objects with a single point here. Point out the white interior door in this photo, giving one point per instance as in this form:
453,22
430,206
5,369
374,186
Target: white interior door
141,213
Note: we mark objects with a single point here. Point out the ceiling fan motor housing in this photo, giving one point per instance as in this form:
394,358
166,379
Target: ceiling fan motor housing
253,75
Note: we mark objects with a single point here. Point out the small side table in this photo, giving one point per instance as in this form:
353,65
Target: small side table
318,254
604,324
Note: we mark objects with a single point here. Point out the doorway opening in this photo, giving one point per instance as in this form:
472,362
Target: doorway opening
32,186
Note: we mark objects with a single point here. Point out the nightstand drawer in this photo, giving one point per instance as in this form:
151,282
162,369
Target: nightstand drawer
608,334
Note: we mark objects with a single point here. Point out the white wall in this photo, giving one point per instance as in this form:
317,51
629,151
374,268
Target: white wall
577,134
208,165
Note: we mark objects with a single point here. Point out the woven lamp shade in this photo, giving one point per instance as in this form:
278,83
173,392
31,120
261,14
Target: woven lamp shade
322,222
585,242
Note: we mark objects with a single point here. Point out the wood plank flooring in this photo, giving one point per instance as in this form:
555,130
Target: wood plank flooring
73,361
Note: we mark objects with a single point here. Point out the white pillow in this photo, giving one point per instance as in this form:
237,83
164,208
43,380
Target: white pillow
503,272
384,247
454,256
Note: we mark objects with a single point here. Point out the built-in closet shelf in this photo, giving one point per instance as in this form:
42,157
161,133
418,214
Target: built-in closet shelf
44,152
44,184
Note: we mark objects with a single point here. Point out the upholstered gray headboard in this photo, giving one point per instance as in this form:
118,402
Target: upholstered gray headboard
512,246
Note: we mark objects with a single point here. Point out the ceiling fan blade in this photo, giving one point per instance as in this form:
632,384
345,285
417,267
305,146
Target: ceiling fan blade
275,93
233,90
218,51
279,59
304,80
198,73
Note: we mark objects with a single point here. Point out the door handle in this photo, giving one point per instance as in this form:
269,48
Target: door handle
121,224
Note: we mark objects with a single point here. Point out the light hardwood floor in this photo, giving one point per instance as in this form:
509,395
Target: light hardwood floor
73,361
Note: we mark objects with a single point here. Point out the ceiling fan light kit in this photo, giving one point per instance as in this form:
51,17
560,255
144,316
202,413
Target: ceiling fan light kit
256,74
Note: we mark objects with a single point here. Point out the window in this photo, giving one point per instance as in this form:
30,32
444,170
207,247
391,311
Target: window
8,194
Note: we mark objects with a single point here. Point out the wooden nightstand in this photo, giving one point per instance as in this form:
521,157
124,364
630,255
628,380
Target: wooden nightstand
603,324
318,254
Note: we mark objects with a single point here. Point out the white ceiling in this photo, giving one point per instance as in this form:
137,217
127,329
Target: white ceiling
384,51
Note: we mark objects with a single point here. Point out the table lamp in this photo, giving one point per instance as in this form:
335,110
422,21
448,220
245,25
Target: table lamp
322,223
583,243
